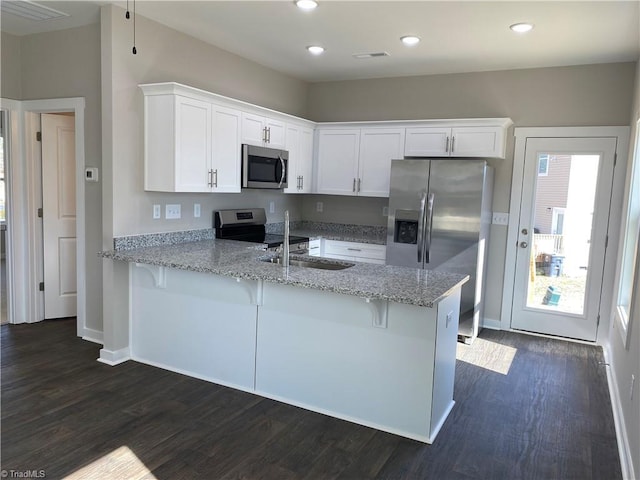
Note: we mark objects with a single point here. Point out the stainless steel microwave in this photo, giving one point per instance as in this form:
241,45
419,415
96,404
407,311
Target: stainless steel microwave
264,167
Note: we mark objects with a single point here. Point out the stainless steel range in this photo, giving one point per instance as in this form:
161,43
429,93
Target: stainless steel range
248,225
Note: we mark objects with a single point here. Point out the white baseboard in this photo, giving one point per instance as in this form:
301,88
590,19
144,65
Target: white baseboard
116,357
94,336
491,324
626,461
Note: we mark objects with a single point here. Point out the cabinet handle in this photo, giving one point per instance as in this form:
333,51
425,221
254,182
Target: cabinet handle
269,135
210,178
358,185
453,144
313,248
446,148
354,249
264,134
215,178
354,186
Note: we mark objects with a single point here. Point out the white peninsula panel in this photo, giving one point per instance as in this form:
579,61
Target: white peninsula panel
194,323
386,365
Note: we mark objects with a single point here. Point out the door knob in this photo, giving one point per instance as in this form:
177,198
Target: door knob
524,244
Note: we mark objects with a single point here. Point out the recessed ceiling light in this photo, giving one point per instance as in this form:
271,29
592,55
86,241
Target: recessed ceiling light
410,40
306,4
315,49
521,27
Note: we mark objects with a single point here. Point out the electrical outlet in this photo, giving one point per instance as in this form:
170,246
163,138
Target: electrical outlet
500,218
157,213
385,211
172,211
272,207
196,210
319,206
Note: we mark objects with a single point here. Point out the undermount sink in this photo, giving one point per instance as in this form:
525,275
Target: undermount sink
321,265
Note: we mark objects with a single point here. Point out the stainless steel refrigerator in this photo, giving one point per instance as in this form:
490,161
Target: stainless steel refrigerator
439,219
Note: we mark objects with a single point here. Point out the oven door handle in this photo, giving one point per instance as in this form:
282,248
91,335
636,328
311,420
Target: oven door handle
284,171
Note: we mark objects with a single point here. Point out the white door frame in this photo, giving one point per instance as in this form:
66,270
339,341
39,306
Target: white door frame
24,239
621,134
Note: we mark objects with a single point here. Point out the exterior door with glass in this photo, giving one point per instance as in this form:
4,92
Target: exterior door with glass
562,235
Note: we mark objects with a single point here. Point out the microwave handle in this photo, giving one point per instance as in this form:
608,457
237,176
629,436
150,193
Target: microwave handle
284,171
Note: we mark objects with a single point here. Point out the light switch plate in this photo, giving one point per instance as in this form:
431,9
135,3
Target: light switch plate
157,212
196,210
172,211
272,207
500,218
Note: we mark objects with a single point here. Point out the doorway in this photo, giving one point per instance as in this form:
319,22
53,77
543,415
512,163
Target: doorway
26,303
560,259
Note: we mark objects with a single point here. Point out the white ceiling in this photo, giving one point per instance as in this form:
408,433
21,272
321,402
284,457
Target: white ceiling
457,36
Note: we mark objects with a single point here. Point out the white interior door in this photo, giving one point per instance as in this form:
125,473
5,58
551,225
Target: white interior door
559,271
59,215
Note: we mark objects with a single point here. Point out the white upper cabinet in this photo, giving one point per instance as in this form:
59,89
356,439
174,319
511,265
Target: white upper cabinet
478,142
193,139
357,161
463,141
427,142
225,168
177,137
337,166
378,146
263,131
299,144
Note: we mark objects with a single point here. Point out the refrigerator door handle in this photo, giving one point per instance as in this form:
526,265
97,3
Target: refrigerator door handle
429,222
420,242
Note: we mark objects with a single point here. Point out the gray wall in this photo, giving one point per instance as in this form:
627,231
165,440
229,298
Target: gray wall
59,64
167,55
10,73
562,96
626,361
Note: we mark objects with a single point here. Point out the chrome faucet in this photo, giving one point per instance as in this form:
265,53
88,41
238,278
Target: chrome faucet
285,244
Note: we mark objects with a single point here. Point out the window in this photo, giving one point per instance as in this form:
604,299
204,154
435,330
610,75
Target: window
629,255
543,165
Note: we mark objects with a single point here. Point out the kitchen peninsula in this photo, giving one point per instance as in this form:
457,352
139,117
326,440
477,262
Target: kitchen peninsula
371,344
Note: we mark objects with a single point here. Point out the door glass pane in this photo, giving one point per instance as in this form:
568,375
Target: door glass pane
562,224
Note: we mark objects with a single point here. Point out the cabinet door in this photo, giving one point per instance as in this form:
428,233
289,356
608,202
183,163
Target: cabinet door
377,148
477,142
337,168
225,175
193,145
292,145
305,163
427,142
253,129
276,133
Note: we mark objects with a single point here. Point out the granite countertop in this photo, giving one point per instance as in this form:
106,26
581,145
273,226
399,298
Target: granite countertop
242,260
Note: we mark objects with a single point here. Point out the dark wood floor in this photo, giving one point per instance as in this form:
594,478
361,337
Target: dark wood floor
527,408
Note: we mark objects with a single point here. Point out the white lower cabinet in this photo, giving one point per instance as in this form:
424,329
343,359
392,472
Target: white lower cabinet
315,247
357,252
